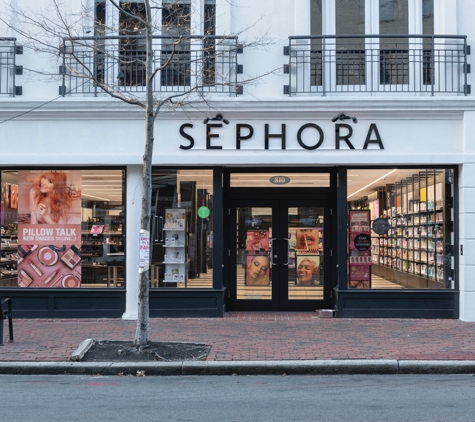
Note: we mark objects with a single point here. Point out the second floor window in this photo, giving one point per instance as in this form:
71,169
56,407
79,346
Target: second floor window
353,54
176,28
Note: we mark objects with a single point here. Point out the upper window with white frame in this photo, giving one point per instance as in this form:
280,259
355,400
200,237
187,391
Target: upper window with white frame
188,55
376,46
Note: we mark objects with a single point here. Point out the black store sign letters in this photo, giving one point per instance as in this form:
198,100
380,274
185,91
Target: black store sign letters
244,132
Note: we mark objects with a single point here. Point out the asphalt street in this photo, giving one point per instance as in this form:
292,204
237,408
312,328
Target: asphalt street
238,398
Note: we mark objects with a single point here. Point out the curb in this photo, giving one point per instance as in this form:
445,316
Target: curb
289,367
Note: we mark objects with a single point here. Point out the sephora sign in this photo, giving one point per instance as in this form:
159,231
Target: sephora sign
314,136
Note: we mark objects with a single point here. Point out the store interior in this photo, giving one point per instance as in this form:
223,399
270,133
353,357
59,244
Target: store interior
410,227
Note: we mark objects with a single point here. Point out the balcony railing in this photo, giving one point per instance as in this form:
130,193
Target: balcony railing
8,68
425,64
207,64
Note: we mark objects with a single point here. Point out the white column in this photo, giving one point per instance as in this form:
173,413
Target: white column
329,50
445,17
466,218
132,218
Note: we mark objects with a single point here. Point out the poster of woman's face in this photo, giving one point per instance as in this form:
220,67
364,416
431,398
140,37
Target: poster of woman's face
50,196
308,270
308,239
257,270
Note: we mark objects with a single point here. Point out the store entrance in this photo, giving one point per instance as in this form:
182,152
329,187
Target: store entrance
280,251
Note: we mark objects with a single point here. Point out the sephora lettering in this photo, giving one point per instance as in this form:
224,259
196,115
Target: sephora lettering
244,132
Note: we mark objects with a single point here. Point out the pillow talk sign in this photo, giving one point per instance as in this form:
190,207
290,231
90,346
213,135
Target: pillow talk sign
49,228
309,136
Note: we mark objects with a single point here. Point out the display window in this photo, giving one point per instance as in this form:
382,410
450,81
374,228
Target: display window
182,229
401,229
62,228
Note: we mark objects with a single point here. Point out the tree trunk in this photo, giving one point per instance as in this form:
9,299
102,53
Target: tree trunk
143,321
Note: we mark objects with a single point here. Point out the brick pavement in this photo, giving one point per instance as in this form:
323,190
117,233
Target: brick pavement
257,336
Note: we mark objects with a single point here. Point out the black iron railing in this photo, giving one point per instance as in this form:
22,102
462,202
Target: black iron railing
8,68
429,64
207,64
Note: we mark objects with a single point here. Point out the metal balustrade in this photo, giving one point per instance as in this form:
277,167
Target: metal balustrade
8,68
207,64
371,64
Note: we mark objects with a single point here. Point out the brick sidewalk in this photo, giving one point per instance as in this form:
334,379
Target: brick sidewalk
257,336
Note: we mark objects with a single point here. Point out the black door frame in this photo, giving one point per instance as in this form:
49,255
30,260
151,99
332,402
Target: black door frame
321,196
279,202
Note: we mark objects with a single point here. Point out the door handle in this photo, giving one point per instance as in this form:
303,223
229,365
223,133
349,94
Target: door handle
271,240
288,251
160,229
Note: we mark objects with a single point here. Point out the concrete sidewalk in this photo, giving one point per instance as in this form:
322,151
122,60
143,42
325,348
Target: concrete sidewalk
255,343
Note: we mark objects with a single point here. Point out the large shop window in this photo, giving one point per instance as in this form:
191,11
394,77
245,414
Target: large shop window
62,228
182,228
400,229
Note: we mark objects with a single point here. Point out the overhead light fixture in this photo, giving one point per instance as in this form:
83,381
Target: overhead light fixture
217,118
372,183
343,116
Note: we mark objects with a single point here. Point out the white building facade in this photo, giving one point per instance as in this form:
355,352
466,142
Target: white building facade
329,164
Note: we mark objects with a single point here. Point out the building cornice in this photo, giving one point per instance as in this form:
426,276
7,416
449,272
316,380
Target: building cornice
240,107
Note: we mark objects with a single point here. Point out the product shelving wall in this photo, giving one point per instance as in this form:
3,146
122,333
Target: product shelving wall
9,260
417,251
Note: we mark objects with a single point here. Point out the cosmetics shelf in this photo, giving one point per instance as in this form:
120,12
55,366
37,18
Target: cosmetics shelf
8,261
417,250
174,258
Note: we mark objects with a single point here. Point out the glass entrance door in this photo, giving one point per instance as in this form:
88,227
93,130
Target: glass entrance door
279,253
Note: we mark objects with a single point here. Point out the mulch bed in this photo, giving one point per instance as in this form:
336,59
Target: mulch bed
119,351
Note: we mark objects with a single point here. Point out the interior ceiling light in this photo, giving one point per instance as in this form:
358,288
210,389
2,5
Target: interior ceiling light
372,183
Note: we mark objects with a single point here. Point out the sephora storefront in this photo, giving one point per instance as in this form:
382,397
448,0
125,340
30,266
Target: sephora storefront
263,213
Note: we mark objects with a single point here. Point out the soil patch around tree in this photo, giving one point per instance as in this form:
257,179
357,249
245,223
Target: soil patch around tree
120,351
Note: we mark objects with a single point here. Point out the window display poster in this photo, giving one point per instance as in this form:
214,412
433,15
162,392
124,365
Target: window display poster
308,270
359,249
49,228
257,270
257,240
175,219
309,240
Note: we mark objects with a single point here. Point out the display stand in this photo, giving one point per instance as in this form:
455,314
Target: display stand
359,250
175,246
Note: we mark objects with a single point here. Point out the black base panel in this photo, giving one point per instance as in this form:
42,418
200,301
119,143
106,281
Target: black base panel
182,303
397,304
62,303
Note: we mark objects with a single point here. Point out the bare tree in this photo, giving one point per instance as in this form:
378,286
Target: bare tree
130,62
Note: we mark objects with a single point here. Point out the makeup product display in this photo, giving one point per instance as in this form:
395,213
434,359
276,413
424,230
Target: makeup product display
56,281
24,279
70,281
25,250
50,277
72,257
47,256
36,269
